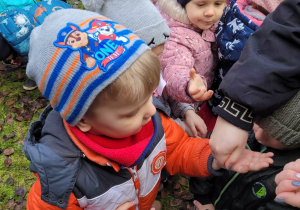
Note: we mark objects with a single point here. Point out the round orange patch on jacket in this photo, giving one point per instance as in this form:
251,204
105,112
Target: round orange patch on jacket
158,162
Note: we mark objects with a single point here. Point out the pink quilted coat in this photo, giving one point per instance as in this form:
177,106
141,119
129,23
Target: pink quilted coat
188,47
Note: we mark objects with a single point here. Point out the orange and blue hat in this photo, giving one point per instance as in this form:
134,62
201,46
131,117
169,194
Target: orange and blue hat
72,64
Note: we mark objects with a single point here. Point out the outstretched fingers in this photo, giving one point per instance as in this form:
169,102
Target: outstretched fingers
252,161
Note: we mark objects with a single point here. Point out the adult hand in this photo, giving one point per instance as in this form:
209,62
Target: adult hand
195,124
288,184
197,89
227,143
252,161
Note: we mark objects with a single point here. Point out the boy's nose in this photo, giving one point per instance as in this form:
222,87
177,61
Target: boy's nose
150,112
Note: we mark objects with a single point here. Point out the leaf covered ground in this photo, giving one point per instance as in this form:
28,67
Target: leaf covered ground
18,108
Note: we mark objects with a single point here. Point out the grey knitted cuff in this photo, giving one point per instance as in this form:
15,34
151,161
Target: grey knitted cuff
211,170
187,108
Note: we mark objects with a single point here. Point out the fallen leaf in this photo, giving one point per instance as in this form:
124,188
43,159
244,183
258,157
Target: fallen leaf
13,109
20,191
177,194
1,124
8,151
5,93
28,117
42,103
11,136
187,196
18,207
22,202
4,138
10,181
8,116
175,202
7,161
182,182
10,204
10,103
177,186
20,75
19,118
21,111
10,121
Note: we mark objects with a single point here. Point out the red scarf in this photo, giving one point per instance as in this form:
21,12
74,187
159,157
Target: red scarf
124,151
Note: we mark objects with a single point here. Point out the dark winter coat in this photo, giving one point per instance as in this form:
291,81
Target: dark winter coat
268,71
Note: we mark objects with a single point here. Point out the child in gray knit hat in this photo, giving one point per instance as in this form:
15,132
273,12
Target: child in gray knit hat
143,18
104,139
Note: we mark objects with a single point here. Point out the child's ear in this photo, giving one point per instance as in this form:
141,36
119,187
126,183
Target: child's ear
83,125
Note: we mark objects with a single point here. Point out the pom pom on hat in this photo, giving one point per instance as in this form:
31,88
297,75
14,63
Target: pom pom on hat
75,54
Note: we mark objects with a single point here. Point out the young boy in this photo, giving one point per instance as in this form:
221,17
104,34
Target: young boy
104,140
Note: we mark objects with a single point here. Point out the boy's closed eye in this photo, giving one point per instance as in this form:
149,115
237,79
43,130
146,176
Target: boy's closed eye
132,114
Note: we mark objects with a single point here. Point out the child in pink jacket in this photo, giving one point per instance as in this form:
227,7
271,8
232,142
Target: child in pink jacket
189,58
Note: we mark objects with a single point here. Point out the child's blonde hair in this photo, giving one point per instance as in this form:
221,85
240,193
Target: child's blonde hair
138,81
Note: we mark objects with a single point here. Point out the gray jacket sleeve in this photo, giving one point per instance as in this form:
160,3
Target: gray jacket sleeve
179,108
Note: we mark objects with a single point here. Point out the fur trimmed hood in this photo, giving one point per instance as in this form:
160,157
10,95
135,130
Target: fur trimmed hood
174,10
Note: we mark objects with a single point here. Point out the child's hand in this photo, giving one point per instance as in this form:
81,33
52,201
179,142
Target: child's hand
288,184
266,139
197,88
249,161
227,142
195,124
199,206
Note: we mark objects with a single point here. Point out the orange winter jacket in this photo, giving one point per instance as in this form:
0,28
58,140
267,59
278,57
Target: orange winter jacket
100,183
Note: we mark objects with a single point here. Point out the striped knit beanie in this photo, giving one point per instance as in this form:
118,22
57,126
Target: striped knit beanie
75,54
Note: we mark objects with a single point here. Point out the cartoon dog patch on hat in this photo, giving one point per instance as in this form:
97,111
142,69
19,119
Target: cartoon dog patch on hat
101,30
98,44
